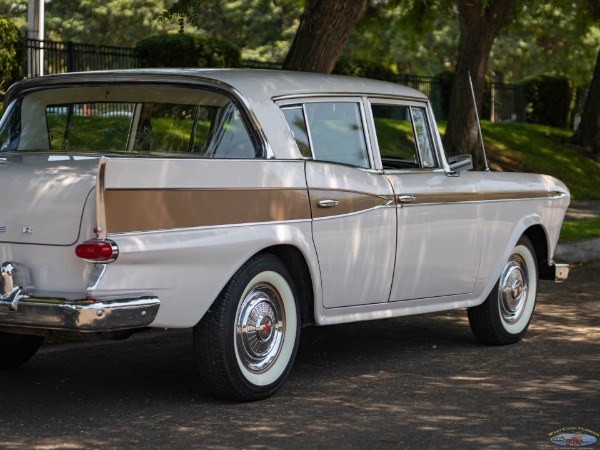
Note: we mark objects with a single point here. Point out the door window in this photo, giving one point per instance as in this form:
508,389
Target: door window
403,136
329,131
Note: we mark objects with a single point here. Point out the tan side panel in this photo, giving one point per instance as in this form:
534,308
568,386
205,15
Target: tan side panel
158,209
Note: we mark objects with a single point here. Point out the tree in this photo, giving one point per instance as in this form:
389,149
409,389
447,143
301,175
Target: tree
113,22
588,132
324,29
263,29
480,21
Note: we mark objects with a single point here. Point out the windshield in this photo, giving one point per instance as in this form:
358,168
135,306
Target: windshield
154,121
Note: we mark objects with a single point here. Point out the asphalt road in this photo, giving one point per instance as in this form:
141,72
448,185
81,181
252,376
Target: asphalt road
415,382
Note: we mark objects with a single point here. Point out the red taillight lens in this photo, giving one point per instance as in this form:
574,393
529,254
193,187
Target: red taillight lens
97,251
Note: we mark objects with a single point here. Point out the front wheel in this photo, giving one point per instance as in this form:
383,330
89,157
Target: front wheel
247,341
505,315
17,349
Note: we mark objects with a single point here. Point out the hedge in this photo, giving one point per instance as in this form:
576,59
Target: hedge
12,54
366,68
549,100
187,50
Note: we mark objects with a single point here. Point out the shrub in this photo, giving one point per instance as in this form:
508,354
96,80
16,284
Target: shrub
187,50
366,68
11,54
549,100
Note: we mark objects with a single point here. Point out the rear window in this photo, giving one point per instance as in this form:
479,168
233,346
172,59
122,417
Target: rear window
139,121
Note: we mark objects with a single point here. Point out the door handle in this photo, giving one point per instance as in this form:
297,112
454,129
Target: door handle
406,198
328,203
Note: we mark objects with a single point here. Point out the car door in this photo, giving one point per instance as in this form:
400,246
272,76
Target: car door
439,238
352,205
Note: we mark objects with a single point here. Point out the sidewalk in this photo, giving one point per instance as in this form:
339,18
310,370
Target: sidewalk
585,250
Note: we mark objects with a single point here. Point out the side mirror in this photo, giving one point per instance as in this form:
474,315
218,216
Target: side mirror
460,163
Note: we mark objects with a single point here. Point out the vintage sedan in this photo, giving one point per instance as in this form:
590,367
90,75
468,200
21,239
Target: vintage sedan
247,205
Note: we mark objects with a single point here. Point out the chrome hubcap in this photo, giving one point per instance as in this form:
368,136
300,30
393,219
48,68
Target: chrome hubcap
260,327
513,289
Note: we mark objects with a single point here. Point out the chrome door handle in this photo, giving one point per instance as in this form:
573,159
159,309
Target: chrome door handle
328,203
406,198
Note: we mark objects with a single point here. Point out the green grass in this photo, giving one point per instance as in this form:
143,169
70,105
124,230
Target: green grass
573,230
526,147
542,149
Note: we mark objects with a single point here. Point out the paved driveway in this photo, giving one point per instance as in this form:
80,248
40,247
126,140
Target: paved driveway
415,382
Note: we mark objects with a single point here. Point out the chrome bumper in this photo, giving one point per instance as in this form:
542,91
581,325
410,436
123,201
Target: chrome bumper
86,314
556,271
22,307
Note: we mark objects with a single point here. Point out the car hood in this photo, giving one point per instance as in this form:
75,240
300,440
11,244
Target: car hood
43,196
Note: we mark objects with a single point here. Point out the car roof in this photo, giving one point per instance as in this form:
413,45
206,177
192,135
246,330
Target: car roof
249,82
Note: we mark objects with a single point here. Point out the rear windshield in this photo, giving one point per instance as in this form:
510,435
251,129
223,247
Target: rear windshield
154,121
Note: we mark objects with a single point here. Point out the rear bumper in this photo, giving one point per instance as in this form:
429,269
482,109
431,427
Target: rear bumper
21,306
19,310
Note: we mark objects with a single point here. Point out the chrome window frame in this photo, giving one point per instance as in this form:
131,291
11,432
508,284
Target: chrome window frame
438,153
358,100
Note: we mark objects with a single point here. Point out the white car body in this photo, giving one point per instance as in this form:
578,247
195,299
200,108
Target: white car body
362,241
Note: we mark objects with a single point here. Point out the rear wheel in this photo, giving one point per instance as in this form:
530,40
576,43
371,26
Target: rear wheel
17,349
247,341
505,315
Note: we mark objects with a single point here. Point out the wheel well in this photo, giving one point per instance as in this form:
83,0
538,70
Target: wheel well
537,236
296,264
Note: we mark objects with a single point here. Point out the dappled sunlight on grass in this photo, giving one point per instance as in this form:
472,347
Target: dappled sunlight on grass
542,149
526,147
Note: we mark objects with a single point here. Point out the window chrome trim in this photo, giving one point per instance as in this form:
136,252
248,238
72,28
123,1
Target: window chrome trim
302,101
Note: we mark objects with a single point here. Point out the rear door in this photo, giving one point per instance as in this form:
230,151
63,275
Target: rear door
352,205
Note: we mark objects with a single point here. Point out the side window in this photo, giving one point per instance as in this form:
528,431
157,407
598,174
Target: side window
403,137
205,125
337,133
423,137
294,116
329,131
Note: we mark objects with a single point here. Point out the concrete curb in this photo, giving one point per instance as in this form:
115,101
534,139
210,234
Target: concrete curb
585,250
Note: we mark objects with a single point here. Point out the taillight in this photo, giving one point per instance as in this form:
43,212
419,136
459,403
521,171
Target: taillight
98,251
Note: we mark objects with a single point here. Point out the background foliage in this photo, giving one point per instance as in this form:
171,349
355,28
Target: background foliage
11,54
187,50
411,36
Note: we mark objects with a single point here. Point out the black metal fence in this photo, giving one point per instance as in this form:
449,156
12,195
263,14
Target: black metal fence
50,57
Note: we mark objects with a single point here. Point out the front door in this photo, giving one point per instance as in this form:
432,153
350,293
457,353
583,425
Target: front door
439,238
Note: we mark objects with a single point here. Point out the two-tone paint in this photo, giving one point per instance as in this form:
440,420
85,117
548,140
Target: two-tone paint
377,243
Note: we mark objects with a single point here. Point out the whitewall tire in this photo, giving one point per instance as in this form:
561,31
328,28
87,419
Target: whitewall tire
246,343
505,315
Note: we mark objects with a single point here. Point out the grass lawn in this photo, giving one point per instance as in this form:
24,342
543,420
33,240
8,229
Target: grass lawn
524,147
573,230
542,149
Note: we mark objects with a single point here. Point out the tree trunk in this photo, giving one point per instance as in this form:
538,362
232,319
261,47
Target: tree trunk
478,29
324,28
588,132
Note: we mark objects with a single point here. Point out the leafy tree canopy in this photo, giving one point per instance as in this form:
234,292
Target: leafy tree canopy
412,36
